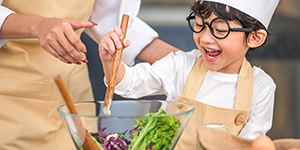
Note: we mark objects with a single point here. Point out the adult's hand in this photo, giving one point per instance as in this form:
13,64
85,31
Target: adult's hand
58,37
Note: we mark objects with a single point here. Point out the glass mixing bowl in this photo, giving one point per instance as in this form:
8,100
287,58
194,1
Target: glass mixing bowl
124,116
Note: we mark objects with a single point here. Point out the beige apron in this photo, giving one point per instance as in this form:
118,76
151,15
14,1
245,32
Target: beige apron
28,95
235,118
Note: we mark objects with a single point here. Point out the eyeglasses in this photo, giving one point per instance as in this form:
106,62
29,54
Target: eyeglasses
219,27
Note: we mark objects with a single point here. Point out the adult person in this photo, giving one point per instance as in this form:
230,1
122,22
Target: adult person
39,40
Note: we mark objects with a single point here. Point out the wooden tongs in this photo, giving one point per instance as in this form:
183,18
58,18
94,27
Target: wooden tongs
112,80
88,143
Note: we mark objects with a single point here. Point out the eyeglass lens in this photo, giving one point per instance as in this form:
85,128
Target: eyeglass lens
218,27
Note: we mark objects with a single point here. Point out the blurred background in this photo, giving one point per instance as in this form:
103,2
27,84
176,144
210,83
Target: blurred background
280,59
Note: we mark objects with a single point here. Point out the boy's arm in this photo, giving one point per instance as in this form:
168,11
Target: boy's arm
107,66
107,48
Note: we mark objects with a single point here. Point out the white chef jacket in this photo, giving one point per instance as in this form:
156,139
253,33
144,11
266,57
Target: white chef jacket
107,14
167,76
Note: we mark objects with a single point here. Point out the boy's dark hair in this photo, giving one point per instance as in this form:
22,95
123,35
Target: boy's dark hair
207,8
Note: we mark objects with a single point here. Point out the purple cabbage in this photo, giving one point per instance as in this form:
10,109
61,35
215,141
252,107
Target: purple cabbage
119,143
136,129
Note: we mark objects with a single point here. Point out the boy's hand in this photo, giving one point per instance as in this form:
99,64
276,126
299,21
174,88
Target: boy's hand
110,42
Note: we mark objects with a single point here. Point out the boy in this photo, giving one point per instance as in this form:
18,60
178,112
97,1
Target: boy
217,78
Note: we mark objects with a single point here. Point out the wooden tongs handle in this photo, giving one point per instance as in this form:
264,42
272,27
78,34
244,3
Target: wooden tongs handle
112,80
88,143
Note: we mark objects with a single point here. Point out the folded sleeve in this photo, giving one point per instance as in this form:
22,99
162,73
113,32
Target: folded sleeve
4,12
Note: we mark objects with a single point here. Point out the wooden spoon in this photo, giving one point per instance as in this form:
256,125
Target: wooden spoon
112,80
88,143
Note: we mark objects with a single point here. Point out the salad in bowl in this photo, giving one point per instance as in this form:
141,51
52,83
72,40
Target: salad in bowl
132,125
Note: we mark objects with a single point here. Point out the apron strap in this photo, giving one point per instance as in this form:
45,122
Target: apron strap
195,78
244,90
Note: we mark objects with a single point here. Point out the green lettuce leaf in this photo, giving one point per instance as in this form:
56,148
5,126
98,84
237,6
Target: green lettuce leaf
159,131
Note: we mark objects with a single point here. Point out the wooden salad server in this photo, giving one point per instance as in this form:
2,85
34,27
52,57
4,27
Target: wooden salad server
88,143
112,80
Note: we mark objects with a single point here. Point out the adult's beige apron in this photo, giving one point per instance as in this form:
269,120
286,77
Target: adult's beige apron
235,118
28,95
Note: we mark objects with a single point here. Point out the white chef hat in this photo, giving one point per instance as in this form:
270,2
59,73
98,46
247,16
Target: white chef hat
262,10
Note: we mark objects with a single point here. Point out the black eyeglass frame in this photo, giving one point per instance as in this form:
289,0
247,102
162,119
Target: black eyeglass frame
192,16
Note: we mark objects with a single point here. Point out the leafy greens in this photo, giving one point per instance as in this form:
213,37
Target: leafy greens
154,133
150,133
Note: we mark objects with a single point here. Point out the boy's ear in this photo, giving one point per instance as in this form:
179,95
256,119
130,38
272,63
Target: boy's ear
257,38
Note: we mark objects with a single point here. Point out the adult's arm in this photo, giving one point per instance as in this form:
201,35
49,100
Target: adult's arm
4,12
156,50
55,35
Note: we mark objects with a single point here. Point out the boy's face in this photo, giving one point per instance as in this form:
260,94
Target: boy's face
222,55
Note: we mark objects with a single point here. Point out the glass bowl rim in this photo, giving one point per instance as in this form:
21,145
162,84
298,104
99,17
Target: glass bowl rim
113,117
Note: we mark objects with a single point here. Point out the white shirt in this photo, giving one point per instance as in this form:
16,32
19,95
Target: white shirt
107,14
167,76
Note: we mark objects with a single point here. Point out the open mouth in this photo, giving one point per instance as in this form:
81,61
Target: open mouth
211,54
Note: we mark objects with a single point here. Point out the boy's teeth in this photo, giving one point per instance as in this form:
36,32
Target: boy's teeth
212,53
210,50
210,56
